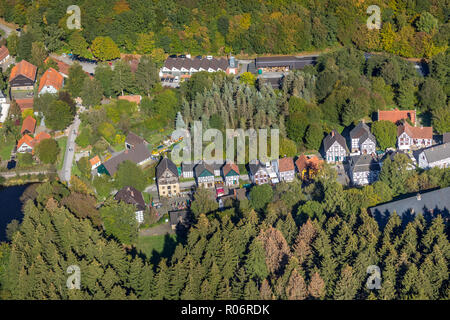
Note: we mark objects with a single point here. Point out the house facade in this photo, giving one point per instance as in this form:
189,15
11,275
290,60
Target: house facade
286,169
204,175
187,170
4,54
134,197
167,178
23,76
186,67
335,147
363,141
258,172
51,82
230,172
413,137
436,156
364,169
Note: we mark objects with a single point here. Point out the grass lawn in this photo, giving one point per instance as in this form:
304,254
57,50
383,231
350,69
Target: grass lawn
162,245
62,143
6,148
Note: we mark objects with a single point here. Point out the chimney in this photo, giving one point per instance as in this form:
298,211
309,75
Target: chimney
332,133
419,197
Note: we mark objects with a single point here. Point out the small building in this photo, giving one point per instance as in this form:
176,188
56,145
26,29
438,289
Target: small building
95,162
51,82
186,67
428,203
25,104
179,218
23,76
204,174
28,125
308,166
134,197
396,116
140,155
4,54
258,172
187,169
413,137
363,141
133,140
286,169
364,169
335,147
25,144
435,156
230,173
167,178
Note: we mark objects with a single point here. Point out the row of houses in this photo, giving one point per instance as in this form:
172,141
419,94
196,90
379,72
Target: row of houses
205,173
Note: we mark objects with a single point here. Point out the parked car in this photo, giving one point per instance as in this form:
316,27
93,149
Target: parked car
182,56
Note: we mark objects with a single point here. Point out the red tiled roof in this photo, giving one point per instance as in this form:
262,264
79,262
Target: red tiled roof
62,66
25,139
397,115
29,124
94,160
135,98
53,78
4,52
230,166
23,68
41,137
307,161
286,164
415,132
25,104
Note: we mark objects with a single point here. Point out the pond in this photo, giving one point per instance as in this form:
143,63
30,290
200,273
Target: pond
10,207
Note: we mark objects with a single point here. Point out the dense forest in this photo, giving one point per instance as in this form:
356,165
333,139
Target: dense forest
287,243
410,28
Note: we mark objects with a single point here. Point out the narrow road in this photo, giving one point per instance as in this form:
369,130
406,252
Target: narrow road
87,67
8,175
66,171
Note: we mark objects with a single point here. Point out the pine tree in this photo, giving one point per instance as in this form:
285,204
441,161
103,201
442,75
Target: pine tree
346,286
296,287
266,291
316,287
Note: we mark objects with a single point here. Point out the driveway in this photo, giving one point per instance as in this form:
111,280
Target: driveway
88,67
66,171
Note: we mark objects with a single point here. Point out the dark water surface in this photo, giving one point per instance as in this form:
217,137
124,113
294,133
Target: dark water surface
10,207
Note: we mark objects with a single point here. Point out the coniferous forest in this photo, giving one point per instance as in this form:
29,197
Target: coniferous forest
292,243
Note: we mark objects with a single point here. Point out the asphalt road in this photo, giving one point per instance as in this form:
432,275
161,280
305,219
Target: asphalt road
66,171
88,67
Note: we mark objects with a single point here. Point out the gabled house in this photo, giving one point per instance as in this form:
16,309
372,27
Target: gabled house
95,162
204,174
27,143
286,169
363,141
435,156
416,137
187,169
179,217
23,76
396,116
230,173
216,166
134,197
133,140
167,178
140,155
28,125
51,82
258,172
308,166
335,147
4,54
364,169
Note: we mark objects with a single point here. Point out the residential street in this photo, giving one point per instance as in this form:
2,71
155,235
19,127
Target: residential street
66,171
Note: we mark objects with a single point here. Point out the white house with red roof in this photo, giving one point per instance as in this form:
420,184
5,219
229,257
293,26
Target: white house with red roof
413,137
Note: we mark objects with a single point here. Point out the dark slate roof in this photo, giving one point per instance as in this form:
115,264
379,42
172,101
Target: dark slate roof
131,196
179,216
437,153
358,131
202,167
254,166
366,136
432,202
134,139
364,163
330,139
215,165
188,166
137,154
166,163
